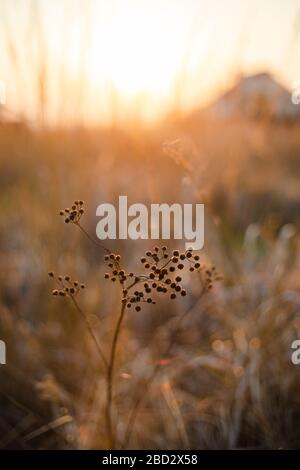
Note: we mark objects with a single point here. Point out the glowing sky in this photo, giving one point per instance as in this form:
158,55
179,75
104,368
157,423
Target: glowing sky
98,60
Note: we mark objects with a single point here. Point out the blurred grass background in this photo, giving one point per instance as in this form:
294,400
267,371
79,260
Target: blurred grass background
229,381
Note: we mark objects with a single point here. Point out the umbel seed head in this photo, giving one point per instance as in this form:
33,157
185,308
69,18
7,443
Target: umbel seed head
74,214
67,287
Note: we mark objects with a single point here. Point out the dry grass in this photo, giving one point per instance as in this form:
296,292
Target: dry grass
227,380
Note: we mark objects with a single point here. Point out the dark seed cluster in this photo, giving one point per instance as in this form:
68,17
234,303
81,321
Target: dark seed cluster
162,273
162,270
66,285
209,276
73,214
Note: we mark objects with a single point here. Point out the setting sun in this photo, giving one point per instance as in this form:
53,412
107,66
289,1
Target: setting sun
141,56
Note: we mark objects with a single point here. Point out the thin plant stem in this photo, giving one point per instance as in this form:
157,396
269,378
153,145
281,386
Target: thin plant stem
95,242
90,330
143,392
110,377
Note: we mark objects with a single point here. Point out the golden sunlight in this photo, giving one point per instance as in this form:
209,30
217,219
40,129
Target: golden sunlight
141,56
96,61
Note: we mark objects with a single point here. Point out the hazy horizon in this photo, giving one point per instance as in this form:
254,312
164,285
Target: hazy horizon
96,61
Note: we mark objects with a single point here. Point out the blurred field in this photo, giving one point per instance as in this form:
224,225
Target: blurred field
228,381
101,99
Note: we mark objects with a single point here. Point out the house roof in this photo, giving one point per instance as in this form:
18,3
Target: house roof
255,96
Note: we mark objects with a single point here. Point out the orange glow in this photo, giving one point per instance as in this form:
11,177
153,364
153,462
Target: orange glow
142,56
104,61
